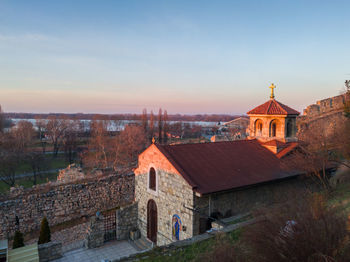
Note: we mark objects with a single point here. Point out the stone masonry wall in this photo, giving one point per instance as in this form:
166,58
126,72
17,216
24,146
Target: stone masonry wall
327,105
63,203
126,221
173,196
242,201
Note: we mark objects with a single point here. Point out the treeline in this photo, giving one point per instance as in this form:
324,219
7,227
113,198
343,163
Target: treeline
81,116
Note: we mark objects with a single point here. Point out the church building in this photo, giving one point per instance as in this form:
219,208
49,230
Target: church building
180,188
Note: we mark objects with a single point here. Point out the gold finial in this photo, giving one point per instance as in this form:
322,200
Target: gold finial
272,96
153,140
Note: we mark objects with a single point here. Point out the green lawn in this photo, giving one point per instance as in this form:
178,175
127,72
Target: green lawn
49,163
188,253
27,182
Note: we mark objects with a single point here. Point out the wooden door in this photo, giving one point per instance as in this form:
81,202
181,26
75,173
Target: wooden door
152,226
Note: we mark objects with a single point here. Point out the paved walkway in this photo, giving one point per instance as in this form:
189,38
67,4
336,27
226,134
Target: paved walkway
110,251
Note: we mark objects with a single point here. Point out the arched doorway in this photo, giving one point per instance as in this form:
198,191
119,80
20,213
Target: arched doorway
152,225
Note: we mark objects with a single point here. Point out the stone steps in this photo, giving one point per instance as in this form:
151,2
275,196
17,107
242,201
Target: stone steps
142,244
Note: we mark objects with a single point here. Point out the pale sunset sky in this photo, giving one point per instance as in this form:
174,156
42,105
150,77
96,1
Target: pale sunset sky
185,56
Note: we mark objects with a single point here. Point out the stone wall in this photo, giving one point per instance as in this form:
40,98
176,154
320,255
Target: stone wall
126,221
173,196
61,203
49,251
236,202
327,105
326,114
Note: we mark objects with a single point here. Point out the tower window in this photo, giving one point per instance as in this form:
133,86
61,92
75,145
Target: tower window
273,128
289,129
258,127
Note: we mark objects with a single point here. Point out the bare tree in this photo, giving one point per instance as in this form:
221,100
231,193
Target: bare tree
151,127
131,142
70,140
37,162
23,134
144,120
40,125
9,159
165,127
100,146
160,126
2,120
56,128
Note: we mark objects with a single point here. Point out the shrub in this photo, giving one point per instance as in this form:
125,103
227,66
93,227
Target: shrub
302,229
18,240
45,234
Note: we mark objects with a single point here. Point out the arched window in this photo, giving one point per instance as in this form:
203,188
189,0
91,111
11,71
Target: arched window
289,129
152,184
258,127
273,128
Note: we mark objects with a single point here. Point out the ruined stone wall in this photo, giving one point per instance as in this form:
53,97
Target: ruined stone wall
326,114
327,105
61,203
173,196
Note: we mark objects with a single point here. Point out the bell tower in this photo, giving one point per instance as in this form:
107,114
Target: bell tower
273,121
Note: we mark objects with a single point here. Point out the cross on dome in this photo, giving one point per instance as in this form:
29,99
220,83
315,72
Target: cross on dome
272,96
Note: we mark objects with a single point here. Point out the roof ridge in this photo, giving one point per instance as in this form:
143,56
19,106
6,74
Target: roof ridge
281,107
268,108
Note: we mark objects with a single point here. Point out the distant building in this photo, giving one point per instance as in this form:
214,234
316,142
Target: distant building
181,189
240,122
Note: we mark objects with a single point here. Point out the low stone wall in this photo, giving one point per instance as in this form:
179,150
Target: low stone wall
126,221
50,251
61,203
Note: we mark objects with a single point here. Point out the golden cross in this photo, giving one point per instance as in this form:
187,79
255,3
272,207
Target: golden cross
272,96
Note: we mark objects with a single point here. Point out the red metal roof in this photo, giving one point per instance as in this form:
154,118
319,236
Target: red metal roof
273,107
213,167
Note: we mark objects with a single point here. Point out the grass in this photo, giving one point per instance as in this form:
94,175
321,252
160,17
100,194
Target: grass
27,182
48,163
188,253
341,197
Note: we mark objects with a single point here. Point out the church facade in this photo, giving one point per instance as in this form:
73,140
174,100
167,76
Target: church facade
180,189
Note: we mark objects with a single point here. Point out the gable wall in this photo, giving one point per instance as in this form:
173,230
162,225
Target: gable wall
173,193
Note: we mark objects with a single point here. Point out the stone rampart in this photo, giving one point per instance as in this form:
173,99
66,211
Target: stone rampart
328,105
24,209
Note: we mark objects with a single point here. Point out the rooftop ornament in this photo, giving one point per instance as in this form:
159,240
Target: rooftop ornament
272,96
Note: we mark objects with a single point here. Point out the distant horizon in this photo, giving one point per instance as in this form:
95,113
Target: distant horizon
187,57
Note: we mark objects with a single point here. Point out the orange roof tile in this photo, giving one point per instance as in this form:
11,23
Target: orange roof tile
273,107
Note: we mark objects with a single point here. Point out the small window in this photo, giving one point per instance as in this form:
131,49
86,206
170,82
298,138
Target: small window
152,179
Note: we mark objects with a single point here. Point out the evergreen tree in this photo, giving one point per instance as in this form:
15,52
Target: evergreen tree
45,234
18,240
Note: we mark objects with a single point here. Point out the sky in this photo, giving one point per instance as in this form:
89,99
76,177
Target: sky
188,57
